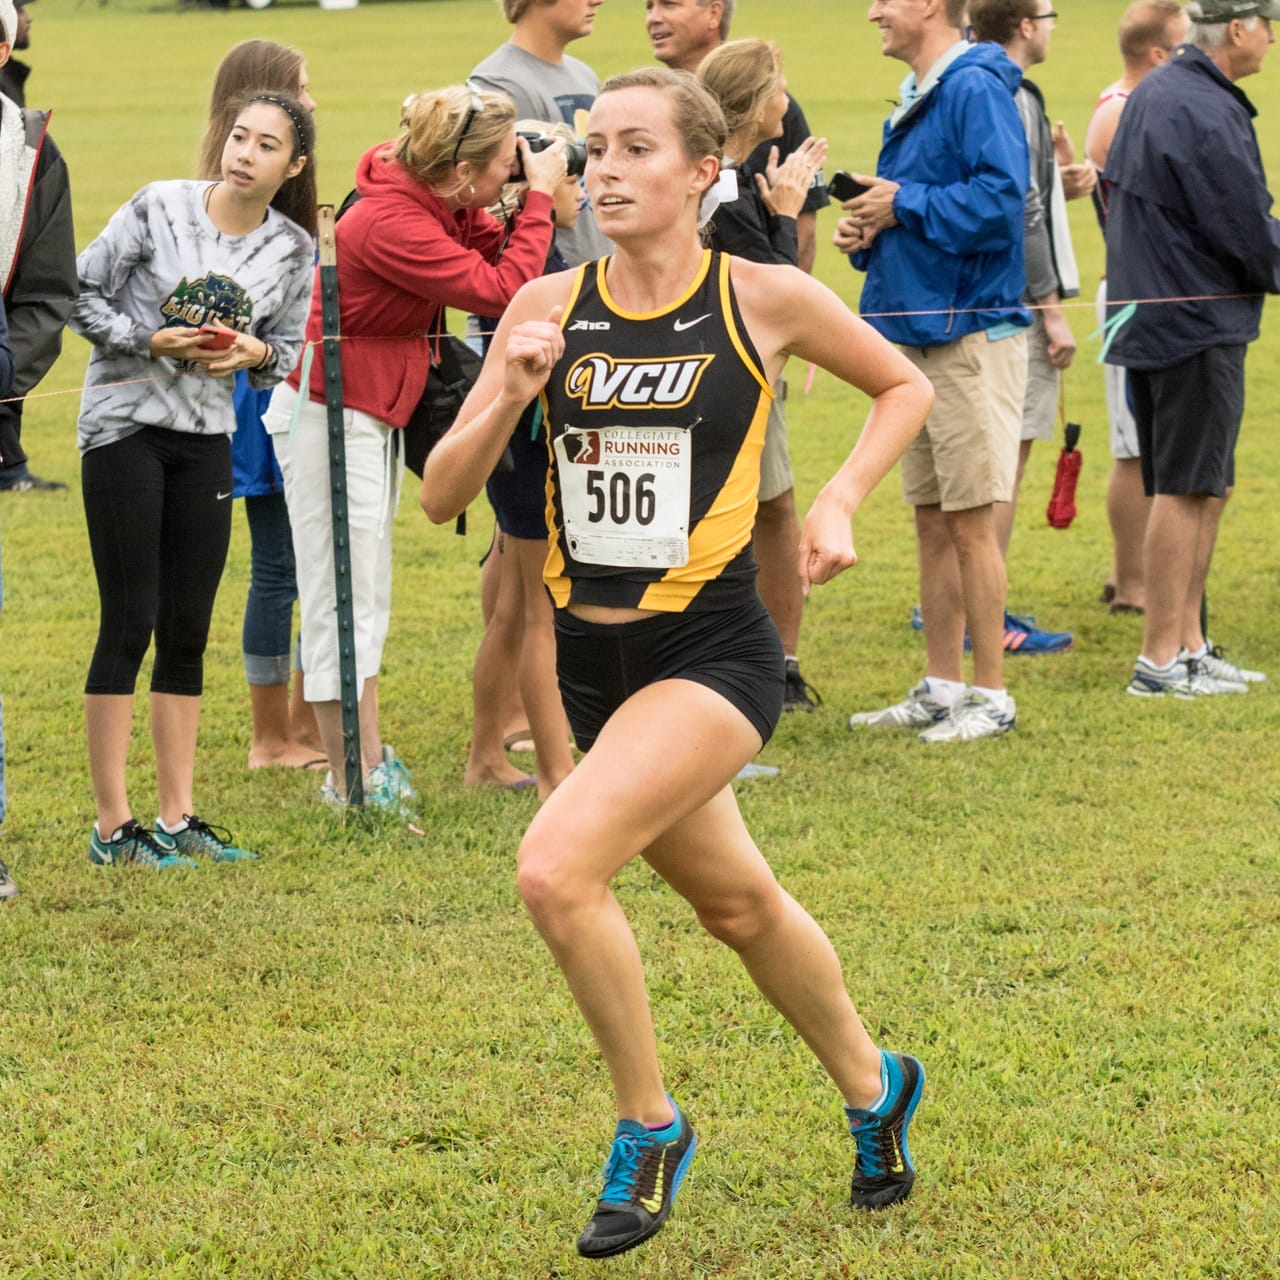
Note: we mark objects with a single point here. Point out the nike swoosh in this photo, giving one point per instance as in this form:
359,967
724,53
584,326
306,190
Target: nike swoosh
221,496
682,325
654,1202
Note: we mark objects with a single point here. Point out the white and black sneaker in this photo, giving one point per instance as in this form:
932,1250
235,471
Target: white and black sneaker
1184,678
1215,661
974,716
918,710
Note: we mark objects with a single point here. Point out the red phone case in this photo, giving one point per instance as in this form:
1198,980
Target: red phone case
217,340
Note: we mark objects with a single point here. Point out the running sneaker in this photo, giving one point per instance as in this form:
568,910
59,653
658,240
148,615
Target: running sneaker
641,1177
882,1171
134,844
974,716
1021,635
200,839
398,774
798,694
1186,678
919,709
7,888
380,792
1217,664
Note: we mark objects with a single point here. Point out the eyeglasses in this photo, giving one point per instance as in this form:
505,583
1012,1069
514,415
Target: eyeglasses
1040,17
477,106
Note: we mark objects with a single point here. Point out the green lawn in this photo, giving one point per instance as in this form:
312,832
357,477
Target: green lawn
355,1059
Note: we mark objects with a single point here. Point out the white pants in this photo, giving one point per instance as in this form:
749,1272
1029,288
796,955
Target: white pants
374,468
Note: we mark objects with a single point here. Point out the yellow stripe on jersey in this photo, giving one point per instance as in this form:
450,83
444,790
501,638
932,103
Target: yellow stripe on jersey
734,336
603,286
726,527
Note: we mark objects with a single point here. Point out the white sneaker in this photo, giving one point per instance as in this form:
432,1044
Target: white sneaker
919,709
1216,663
1185,679
974,716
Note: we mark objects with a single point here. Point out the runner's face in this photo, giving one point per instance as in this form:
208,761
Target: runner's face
639,176
682,32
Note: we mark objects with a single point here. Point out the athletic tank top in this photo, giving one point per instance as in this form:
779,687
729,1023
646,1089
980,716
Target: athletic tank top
655,424
1102,188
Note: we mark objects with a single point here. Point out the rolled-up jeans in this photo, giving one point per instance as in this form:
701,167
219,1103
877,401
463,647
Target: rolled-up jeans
273,588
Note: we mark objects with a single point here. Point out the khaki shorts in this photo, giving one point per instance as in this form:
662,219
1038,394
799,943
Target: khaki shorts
775,458
967,454
1040,407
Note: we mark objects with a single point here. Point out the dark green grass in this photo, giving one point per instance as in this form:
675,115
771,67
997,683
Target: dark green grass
355,1059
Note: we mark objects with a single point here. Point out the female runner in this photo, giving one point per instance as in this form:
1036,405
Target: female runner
654,366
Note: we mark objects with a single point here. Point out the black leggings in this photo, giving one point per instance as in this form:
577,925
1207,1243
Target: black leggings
158,506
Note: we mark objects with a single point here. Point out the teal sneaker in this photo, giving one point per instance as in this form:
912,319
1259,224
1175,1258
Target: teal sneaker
134,845
398,775
883,1173
641,1177
381,792
200,839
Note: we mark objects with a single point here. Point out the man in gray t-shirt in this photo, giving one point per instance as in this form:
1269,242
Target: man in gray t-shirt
533,70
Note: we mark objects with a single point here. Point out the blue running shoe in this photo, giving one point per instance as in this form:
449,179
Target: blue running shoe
199,839
883,1172
1021,637
134,845
641,1177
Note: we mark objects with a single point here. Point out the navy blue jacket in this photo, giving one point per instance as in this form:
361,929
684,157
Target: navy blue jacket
6,357
1188,214
959,155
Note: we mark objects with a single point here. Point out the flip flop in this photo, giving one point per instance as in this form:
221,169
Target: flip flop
521,740
1119,606
521,784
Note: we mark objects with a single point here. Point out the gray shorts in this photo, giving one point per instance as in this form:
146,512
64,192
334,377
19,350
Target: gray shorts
775,458
1115,381
1040,407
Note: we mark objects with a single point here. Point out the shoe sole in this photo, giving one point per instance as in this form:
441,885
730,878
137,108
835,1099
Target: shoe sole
895,1193
660,1220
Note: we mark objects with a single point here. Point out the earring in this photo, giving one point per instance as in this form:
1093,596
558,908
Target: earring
471,190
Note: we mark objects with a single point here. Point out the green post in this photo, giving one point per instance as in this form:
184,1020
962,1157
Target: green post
338,494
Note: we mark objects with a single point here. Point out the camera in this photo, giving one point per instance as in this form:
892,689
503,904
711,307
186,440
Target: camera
575,154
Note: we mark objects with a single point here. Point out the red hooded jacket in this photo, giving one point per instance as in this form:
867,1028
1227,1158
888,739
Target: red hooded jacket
401,256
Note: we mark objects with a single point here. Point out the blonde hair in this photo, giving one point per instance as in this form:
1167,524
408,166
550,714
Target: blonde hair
514,10
697,116
435,123
743,75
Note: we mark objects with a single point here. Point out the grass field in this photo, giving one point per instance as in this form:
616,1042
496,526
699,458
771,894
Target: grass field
355,1059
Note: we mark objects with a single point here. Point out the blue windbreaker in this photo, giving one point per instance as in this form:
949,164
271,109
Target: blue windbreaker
959,155
1188,215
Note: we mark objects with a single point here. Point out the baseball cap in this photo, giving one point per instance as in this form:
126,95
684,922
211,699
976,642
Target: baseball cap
1210,11
9,21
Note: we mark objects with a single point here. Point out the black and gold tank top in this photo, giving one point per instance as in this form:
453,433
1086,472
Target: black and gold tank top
655,424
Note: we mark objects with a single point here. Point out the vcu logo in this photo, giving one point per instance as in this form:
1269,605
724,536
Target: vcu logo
601,382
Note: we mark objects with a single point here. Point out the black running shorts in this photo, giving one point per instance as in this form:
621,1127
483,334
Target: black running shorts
1188,420
735,652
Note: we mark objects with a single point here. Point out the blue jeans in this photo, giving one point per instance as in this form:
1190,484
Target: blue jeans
273,587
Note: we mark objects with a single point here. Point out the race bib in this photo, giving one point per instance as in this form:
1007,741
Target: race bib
624,492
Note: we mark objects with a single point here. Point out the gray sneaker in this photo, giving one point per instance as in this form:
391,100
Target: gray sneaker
974,716
1185,679
917,711
1216,664
7,888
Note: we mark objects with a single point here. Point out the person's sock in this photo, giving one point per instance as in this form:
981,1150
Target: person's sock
671,1124
1000,697
174,830
948,692
1158,666
1201,652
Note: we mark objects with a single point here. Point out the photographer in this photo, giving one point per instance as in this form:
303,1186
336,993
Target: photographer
418,239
